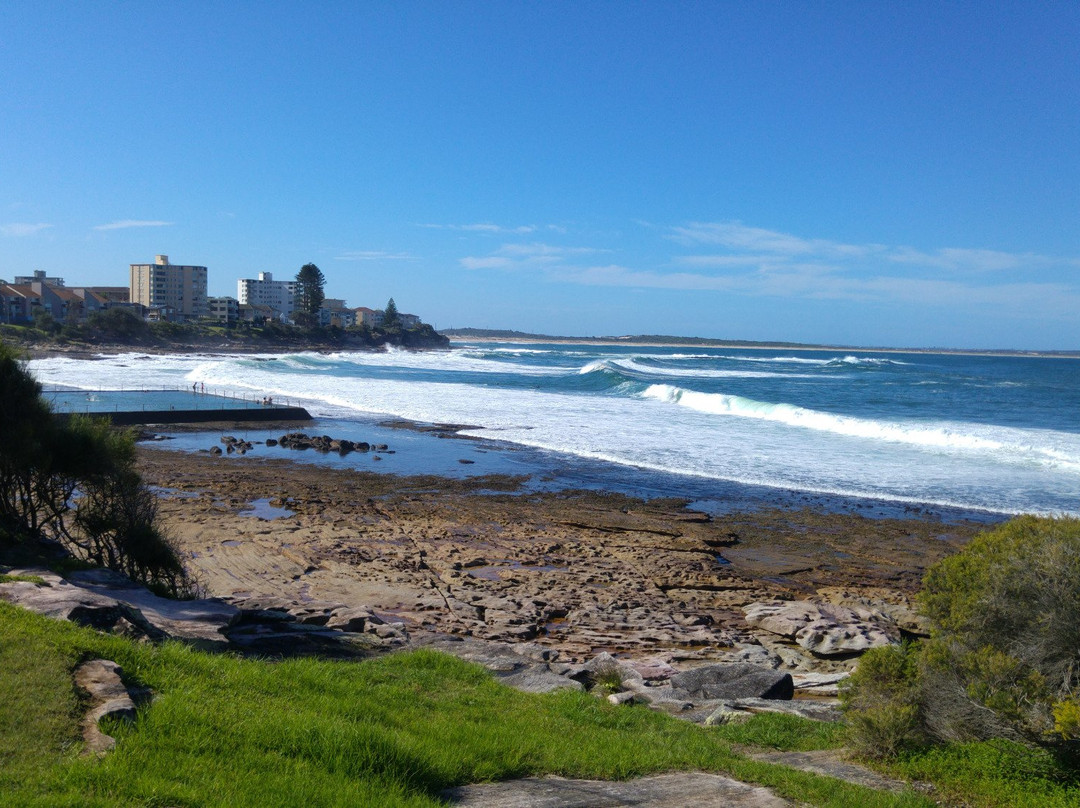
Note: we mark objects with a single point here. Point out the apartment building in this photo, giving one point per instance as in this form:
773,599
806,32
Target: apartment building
334,312
39,276
280,296
178,291
224,309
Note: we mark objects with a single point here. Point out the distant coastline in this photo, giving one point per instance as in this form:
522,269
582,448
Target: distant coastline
253,341
666,341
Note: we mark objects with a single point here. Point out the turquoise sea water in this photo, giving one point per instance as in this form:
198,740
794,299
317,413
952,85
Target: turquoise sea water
1000,434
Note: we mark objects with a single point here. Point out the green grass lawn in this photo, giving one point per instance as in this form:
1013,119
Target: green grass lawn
225,731
392,731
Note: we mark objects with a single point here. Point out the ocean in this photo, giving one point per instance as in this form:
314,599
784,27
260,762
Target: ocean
991,434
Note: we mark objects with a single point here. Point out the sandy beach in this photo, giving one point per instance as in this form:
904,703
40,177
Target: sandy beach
578,572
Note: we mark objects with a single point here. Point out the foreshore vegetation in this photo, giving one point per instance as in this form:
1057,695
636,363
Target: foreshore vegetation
74,481
119,329
1001,667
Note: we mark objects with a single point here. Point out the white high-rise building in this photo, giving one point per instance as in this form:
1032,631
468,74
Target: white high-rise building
265,291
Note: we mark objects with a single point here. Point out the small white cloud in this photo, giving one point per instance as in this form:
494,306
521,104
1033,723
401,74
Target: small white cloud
724,260
371,255
538,249
491,262
124,224
489,227
526,256
615,275
17,229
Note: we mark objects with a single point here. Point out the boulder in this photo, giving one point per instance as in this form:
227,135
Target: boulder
355,619
819,684
824,629
521,671
735,681
100,680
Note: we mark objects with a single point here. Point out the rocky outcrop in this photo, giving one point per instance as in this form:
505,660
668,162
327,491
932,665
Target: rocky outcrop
233,444
324,443
524,666
278,627
107,601
824,629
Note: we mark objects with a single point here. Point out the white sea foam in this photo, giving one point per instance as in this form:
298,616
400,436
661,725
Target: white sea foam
1021,445
456,361
706,373
708,435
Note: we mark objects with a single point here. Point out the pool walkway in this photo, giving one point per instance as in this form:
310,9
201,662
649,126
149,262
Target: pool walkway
170,406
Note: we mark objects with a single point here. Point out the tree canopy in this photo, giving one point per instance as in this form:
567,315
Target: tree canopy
74,481
391,318
310,284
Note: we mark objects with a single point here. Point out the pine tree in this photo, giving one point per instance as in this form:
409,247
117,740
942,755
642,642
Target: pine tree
390,315
309,293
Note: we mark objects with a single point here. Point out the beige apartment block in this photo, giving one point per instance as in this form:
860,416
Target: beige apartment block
179,291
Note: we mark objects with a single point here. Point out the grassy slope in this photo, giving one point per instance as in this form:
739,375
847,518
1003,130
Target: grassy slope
223,731
394,731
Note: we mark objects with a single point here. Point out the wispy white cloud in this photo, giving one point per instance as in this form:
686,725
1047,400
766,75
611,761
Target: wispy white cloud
537,248
748,260
965,260
1051,300
737,236
371,255
733,258
744,245
18,229
124,224
521,256
498,229
488,262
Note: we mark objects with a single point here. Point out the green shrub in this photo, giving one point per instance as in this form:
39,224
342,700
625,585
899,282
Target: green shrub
1003,660
1007,617
75,481
882,702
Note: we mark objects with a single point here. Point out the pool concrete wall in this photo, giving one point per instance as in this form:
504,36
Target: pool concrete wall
137,417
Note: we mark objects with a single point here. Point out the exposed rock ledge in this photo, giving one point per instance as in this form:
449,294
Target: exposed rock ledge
107,601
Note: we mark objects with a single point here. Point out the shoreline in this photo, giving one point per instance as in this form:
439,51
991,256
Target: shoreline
441,450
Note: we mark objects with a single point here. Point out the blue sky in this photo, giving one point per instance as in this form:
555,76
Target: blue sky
863,173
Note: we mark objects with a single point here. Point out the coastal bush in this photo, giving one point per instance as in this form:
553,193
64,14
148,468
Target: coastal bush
116,324
1003,659
75,481
882,702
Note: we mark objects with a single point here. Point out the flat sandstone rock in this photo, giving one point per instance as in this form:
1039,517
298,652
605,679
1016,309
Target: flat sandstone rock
677,790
